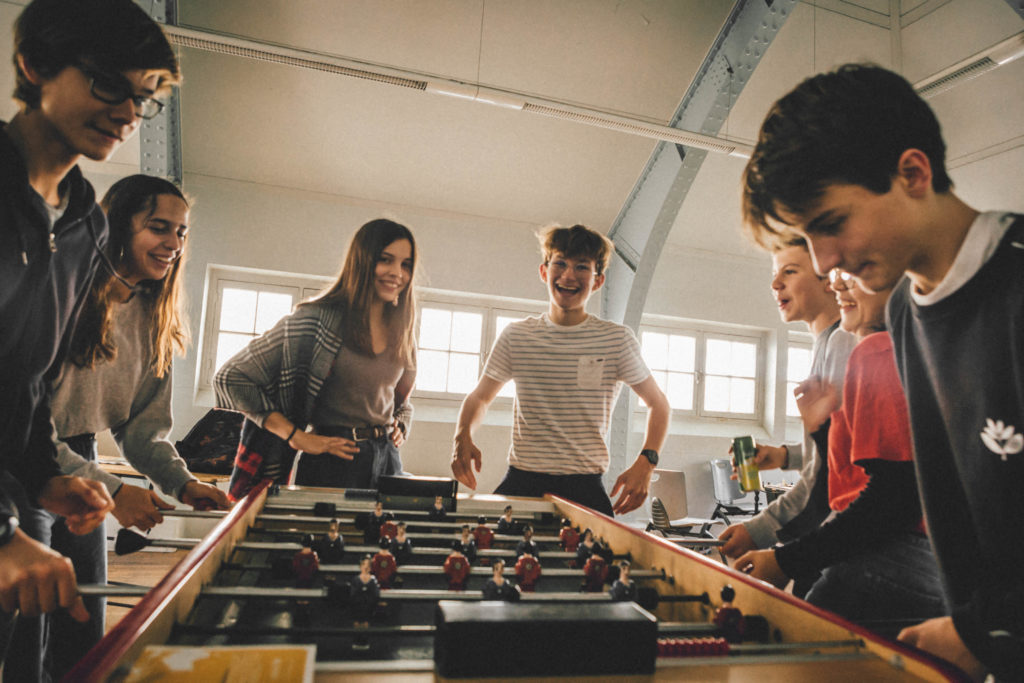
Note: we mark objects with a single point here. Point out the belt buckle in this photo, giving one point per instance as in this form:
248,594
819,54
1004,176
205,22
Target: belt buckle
355,437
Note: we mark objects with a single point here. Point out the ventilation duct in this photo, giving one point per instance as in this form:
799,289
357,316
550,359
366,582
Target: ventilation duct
972,67
276,54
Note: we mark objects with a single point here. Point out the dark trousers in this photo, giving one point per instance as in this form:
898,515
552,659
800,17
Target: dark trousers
376,457
585,489
898,581
45,648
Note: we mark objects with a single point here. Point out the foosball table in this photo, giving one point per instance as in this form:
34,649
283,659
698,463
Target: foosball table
687,617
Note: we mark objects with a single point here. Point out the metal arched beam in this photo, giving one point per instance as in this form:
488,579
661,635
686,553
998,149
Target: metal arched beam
643,224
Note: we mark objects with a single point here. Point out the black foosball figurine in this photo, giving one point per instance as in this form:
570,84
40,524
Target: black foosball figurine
728,618
497,587
468,544
585,548
527,545
623,588
389,529
384,566
568,537
364,598
456,568
305,563
437,513
507,525
371,534
527,571
330,547
401,545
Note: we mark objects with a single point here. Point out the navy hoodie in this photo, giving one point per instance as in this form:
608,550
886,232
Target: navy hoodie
44,278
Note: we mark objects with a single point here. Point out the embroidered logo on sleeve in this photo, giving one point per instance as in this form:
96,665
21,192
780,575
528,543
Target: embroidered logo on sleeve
1001,439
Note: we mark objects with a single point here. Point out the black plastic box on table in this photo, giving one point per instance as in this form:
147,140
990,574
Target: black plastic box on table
416,493
480,639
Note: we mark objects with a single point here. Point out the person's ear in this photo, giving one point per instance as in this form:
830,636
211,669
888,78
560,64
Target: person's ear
33,76
914,173
598,281
544,273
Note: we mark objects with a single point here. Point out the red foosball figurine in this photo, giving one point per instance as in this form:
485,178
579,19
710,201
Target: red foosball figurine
483,536
527,572
568,537
384,566
305,563
595,572
456,568
728,618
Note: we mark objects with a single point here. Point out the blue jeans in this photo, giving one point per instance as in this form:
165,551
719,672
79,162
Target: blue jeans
585,489
898,581
376,458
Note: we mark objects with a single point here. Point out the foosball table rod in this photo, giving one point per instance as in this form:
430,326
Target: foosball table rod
415,569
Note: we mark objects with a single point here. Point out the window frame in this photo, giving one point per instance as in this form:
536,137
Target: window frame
217,276
702,332
490,308
795,340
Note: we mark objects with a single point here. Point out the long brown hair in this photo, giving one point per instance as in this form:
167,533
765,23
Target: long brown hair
354,291
93,340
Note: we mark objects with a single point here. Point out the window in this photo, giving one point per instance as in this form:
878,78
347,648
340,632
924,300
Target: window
797,370
241,305
449,349
454,339
706,373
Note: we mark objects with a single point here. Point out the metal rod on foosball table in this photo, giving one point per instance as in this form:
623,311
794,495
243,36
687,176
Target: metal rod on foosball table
389,594
426,569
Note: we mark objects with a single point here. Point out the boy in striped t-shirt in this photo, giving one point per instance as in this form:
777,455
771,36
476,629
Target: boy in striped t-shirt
567,366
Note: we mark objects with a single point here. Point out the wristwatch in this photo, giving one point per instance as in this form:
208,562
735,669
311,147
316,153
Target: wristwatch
651,455
8,525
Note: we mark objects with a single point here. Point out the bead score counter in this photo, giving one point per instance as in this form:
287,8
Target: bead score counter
570,605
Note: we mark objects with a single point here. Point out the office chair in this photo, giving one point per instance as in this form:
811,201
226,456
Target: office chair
669,508
727,492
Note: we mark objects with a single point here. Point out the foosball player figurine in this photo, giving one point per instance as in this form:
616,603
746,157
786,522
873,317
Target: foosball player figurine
497,588
371,534
568,537
527,571
330,547
305,563
456,568
437,513
364,597
623,588
595,573
401,545
388,529
728,618
507,525
384,565
585,548
468,544
527,545
483,536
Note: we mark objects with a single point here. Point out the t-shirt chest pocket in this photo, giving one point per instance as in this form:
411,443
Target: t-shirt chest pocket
589,371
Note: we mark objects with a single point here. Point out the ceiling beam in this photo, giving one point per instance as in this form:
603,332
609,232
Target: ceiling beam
160,137
650,211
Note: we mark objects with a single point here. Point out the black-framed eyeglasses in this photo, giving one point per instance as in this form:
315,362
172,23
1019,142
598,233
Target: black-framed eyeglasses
839,280
115,89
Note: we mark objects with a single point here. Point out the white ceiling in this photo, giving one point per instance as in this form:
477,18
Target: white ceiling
289,127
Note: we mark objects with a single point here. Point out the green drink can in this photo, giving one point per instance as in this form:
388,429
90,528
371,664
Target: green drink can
743,451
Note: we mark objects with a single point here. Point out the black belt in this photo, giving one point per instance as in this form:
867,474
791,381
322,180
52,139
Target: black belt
356,433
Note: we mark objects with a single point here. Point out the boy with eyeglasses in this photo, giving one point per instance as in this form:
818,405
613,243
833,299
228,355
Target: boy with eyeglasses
567,366
854,161
87,72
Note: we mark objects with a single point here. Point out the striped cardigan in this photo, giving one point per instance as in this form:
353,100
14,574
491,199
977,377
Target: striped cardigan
283,370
